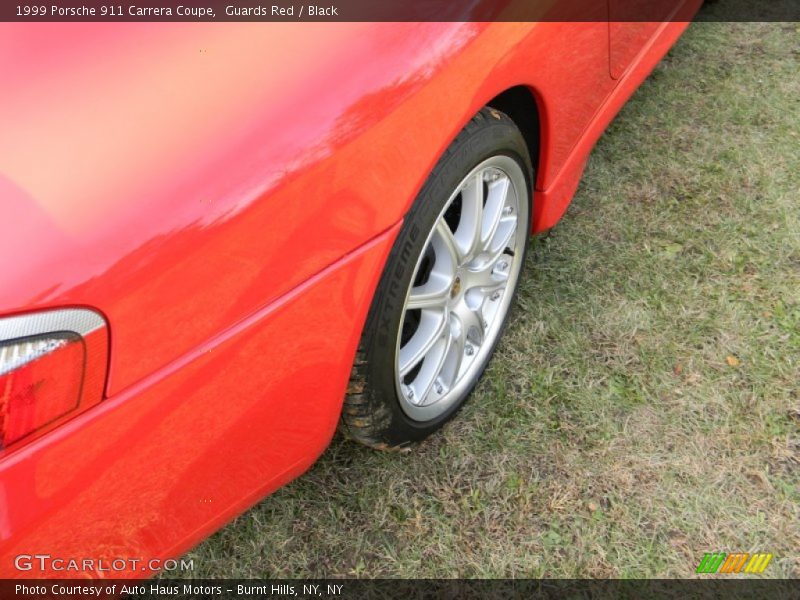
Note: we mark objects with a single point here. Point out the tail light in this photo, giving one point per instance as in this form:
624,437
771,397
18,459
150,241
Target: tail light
52,367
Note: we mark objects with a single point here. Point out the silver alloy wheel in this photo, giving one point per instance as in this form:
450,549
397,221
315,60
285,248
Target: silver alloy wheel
462,288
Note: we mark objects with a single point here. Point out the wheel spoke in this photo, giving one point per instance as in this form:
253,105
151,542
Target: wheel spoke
478,293
468,234
434,371
446,249
488,277
501,237
434,294
491,277
431,327
493,210
472,325
457,346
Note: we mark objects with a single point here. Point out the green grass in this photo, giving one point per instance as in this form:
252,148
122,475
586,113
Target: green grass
644,405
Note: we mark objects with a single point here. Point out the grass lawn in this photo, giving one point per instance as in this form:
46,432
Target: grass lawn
644,405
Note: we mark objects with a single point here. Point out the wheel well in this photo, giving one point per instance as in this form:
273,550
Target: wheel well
519,104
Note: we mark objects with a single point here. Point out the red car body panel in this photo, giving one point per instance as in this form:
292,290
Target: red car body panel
227,199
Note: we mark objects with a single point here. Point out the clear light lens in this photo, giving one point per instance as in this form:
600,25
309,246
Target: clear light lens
13,356
40,381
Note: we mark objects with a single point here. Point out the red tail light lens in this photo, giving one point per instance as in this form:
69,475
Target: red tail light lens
52,367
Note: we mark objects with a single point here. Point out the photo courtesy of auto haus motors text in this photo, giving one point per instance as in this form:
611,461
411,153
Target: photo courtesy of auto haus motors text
154,590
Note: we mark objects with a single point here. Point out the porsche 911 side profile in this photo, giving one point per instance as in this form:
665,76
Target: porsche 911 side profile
220,241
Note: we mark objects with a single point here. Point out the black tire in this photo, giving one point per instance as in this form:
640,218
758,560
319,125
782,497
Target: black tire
372,411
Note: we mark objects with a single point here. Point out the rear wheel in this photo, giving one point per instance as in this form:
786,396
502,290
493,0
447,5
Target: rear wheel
447,289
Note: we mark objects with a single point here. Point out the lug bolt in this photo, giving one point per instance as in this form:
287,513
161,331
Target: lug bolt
469,350
439,388
495,296
502,265
410,393
508,210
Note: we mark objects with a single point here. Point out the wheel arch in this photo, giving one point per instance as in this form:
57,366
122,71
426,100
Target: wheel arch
519,103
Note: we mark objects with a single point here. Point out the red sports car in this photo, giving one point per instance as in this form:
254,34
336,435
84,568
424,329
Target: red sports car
221,240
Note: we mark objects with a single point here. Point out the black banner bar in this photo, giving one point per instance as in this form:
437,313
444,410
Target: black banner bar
409,589
393,10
